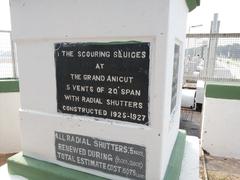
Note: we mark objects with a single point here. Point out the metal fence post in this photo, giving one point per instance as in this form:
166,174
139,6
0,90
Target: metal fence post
13,57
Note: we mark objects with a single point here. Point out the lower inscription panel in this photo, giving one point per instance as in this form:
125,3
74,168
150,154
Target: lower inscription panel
117,158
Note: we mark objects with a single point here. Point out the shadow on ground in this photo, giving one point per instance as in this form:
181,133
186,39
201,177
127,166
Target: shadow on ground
191,122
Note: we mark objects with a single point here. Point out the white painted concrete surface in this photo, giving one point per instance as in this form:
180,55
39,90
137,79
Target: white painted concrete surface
188,98
221,126
9,122
37,25
190,164
4,175
200,91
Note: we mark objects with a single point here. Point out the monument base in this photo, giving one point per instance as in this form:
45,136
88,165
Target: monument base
34,169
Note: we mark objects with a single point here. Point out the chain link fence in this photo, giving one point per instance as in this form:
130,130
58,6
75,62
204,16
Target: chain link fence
212,57
7,61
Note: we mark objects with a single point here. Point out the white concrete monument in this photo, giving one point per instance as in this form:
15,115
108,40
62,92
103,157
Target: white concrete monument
100,86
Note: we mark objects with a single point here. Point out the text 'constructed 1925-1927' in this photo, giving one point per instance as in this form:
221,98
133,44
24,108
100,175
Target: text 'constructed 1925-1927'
107,80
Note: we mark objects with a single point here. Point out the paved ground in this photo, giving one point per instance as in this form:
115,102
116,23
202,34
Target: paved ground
223,168
191,122
218,168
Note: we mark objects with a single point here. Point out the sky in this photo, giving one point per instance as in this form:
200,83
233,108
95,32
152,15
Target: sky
4,15
228,14
228,10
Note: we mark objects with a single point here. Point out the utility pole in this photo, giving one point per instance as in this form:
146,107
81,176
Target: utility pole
189,30
213,41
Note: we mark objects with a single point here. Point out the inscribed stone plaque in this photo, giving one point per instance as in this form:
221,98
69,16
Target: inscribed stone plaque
122,159
107,80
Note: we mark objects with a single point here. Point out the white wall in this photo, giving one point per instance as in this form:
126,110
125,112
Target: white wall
9,122
177,16
221,127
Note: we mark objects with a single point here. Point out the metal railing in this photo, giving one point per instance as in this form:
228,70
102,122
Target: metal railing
7,60
212,57
207,57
